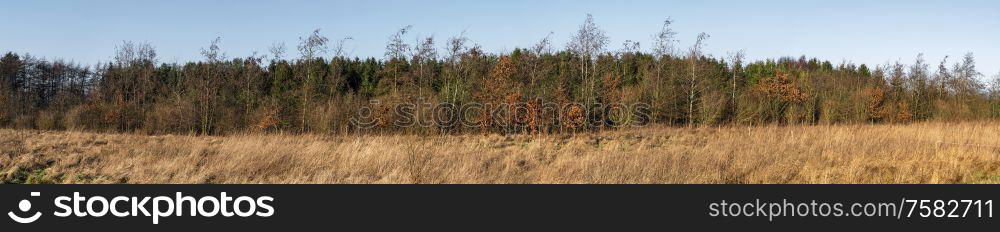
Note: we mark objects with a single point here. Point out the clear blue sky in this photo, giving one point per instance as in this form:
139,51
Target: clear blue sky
872,32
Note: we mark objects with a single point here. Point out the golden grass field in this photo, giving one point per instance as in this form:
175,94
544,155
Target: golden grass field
917,153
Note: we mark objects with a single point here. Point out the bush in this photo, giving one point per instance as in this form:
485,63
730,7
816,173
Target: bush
174,116
333,116
24,122
715,108
84,117
226,120
49,120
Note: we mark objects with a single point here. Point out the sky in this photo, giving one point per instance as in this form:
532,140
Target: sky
860,32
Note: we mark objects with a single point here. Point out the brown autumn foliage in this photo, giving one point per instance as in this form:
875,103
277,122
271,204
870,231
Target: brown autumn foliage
267,119
875,105
782,87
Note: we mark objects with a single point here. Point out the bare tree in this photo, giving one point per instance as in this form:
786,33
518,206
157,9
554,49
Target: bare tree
995,89
966,82
424,53
918,81
397,48
338,49
897,79
694,84
994,94
252,77
630,47
943,76
310,47
129,53
919,69
313,45
425,50
396,51
544,46
213,53
589,42
540,49
917,76
208,85
457,47
134,82
277,50
664,42
736,64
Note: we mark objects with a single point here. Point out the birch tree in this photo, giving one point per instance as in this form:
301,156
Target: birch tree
694,81
588,43
456,48
424,54
395,52
664,42
277,51
310,48
664,46
736,66
542,48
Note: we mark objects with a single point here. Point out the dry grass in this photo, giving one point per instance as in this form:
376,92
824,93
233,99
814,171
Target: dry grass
918,153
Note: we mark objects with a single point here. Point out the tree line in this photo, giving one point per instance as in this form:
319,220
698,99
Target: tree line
321,89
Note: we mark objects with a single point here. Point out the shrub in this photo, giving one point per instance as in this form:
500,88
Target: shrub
174,116
49,120
333,116
267,117
84,117
24,122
